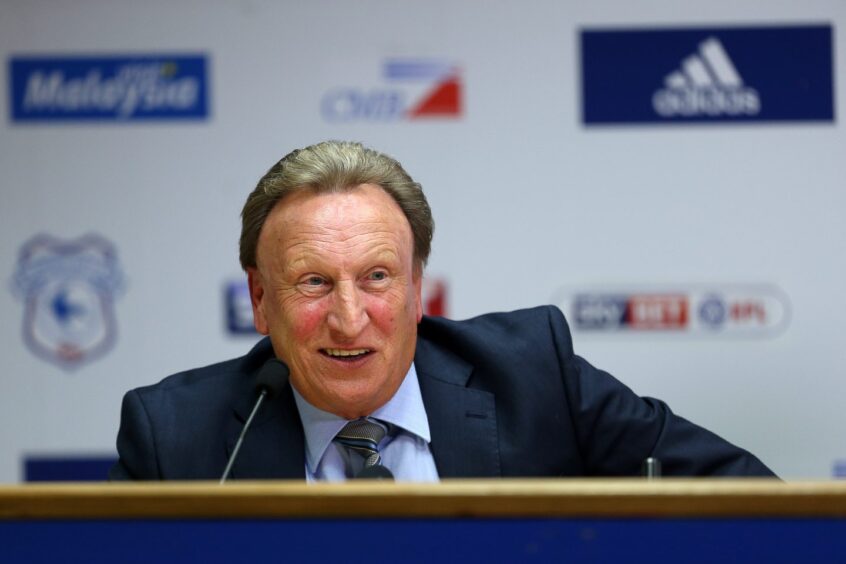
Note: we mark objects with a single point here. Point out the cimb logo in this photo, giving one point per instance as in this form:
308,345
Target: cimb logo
706,84
411,89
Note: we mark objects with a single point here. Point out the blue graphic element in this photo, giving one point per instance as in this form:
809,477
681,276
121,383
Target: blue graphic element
712,311
531,540
139,87
239,309
420,70
68,289
600,311
67,468
64,310
726,74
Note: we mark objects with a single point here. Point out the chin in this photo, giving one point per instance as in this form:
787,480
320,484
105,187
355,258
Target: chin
359,403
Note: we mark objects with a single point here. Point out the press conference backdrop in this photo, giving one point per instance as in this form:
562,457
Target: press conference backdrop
671,176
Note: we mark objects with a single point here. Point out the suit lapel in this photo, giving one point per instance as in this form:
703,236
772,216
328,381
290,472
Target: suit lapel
462,420
274,447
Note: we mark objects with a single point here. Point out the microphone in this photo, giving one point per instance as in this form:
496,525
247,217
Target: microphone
272,376
651,468
377,472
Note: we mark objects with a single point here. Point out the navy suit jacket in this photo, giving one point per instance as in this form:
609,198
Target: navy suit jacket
504,394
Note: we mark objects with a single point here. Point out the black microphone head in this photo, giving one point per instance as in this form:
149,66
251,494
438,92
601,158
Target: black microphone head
377,472
272,377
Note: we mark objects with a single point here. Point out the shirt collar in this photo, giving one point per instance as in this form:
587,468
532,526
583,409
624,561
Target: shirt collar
404,410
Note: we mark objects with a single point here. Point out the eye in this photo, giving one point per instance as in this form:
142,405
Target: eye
314,285
314,281
378,275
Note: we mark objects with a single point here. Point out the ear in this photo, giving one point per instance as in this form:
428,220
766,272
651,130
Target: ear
418,293
256,284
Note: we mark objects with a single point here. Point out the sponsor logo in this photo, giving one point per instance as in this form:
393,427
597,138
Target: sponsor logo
646,311
435,297
166,87
719,310
707,84
239,309
68,289
838,469
412,89
668,75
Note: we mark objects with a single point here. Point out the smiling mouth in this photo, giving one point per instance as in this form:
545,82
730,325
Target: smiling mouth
345,354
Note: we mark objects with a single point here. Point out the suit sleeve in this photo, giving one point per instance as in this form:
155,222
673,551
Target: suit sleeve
617,429
135,443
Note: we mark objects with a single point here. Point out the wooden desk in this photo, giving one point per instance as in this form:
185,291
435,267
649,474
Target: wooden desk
467,521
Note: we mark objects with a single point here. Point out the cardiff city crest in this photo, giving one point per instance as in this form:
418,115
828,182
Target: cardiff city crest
68,290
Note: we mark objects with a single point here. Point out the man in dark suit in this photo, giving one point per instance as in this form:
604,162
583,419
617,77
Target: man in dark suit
334,241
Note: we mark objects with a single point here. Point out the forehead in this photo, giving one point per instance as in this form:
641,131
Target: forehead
339,217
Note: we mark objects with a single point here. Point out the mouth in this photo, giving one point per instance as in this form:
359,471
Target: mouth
346,355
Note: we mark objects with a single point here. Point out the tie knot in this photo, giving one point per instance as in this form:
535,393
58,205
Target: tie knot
363,436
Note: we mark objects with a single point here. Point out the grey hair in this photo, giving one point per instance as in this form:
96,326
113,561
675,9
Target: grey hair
335,166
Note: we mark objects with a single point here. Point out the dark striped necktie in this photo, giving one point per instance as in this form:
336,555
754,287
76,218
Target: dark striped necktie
363,436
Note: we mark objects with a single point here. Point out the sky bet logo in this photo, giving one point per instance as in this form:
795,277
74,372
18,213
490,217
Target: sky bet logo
413,89
733,310
731,74
166,87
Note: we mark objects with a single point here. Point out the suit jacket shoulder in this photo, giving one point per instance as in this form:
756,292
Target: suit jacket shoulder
185,426
554,413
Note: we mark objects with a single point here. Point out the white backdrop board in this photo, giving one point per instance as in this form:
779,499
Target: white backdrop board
699,260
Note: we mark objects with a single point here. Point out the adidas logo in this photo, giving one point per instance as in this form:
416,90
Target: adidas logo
707,84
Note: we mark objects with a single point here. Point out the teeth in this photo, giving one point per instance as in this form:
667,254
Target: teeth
344,352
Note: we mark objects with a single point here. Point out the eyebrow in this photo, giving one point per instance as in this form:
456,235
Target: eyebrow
379,254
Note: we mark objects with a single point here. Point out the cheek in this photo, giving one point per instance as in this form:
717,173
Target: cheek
304,321
389,311
382,315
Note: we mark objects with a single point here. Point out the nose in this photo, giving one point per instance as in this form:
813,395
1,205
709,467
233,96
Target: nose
347,317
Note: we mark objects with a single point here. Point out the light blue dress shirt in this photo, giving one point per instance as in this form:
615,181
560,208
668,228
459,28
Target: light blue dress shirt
405,453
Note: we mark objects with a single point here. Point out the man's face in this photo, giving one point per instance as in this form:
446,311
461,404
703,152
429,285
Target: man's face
337,290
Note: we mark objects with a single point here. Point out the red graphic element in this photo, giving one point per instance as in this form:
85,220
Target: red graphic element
435,297
657,312
443,101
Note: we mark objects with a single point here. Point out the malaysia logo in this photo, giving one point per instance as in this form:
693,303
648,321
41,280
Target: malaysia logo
733,310
68,289
707,84
139,87
412,89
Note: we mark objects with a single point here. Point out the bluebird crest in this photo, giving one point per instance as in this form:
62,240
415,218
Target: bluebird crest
68,289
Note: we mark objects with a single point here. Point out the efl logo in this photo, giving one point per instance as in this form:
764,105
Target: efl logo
733,310
239,309
412,90
141,87
707,74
